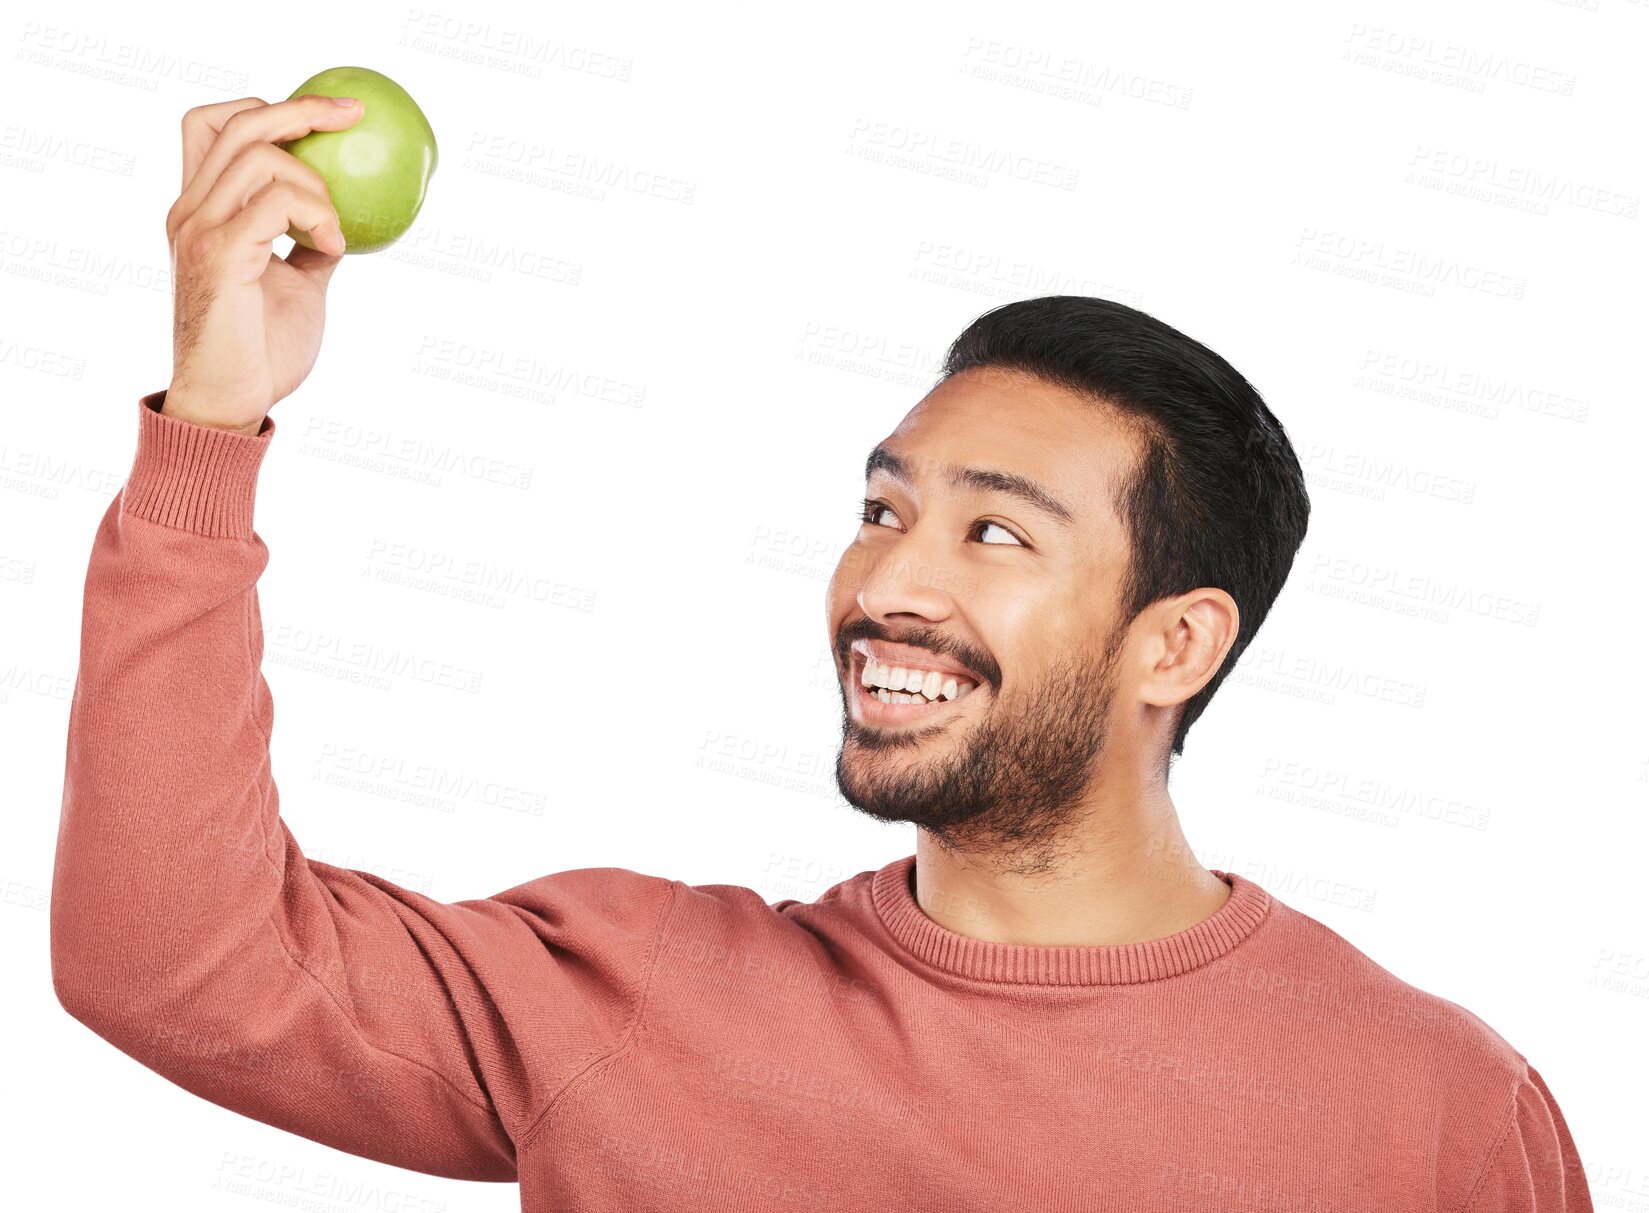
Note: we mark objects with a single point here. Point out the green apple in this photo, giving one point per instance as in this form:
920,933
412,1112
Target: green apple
376,169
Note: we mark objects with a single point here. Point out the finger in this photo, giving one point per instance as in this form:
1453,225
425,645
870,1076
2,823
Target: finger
201,125
270,124
257,165
316,264
274,209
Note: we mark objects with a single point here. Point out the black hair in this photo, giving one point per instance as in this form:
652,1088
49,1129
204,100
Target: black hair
1217,497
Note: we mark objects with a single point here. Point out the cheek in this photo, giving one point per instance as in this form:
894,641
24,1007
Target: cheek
1015,602
1011,625
1027,629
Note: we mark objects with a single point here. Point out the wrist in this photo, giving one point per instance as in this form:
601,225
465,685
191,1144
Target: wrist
179,407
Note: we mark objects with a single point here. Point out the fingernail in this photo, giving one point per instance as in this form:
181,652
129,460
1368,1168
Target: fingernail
346,101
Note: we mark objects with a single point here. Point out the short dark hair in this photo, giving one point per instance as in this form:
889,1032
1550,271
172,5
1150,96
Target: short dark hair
1217,497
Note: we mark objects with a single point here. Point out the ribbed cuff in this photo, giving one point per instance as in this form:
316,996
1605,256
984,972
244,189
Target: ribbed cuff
194,477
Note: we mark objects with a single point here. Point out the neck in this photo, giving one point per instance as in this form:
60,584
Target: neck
1124,875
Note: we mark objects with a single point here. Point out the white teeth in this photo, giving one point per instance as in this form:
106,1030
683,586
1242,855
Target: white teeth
924,686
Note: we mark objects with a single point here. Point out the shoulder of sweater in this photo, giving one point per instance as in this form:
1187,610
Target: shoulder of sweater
745,902
1459,1080
1457,1077
1431,1031
594,897
617,894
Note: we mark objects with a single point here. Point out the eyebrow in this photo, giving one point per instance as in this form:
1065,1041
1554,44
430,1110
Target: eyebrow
984,479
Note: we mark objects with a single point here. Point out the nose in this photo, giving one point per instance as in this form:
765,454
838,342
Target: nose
906,582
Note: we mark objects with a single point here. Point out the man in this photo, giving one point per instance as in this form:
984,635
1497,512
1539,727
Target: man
1050,1005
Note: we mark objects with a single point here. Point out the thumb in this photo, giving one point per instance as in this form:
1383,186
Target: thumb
316,264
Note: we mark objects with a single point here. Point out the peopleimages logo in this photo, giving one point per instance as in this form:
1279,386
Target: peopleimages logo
1423,55
910,146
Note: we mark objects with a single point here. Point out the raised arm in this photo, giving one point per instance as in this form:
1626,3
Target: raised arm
189,930
187,926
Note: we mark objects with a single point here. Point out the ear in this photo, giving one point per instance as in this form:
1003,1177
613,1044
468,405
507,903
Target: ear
1189,638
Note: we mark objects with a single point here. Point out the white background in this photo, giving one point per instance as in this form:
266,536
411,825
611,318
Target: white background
680,267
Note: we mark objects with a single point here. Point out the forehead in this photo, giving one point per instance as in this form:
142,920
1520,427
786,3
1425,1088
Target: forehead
1008,421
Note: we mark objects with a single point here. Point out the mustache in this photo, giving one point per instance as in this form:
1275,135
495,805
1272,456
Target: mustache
931,639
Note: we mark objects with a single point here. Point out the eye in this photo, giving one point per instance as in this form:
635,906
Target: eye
870,510
986,524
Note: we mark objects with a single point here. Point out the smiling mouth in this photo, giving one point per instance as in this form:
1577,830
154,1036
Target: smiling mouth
886,693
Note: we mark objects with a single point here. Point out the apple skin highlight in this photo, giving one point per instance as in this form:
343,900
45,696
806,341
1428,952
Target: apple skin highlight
376,170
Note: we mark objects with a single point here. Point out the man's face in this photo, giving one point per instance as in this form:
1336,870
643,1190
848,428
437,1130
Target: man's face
1015,601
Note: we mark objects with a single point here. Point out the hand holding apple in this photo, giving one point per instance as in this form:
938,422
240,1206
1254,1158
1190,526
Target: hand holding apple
247,324
377,170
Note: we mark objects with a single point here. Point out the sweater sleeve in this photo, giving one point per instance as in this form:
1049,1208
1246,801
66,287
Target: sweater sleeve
189,930
1533,1167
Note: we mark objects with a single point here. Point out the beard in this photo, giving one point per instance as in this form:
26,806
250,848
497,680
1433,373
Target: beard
1008,785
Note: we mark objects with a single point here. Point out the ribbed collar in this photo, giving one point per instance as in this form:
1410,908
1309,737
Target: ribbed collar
1064,964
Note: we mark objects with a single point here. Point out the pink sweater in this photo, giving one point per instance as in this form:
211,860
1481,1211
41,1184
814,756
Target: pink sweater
619,1041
